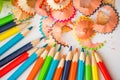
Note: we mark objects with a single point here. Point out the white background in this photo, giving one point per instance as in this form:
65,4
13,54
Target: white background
110,52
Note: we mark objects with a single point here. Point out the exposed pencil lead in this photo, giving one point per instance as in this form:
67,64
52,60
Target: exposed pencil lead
87,53
42,38
59,48
82,50
54,45
30,28
70,49
45,45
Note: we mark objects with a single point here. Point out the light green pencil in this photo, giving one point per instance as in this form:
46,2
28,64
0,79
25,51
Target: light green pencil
1,3
88,70
43,73
6,19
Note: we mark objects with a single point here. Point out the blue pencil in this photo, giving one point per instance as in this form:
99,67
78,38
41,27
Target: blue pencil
81,65
26,64
14,40
67,65
53,66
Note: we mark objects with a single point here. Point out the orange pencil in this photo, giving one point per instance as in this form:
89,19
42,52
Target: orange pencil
38,64
74,64
59,70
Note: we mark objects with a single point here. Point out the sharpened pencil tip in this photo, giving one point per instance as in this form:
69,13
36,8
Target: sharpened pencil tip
59,48
30,28
27,23
70,49
87,53
76,50
63,56
45,45
82,50
42,38
95,51
48,48
54,45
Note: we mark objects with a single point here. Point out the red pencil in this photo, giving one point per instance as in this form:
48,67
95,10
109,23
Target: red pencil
16,62
102,67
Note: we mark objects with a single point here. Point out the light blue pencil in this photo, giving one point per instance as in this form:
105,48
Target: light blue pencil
14,40
54,65
81,65
26,64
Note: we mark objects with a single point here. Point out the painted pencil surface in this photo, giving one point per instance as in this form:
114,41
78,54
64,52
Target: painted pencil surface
18,52
88,70
74,65
59,70
38,64
47,63
102,67
12,31
67,65
16,62
53,65
26,64
94,68
8,26
1,4
6,19
14,40
81,66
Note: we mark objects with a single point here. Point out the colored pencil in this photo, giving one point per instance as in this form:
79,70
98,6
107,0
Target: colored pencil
6,19
17,61
46,65
1,4
26,64
88,69
8,26
95,75
14,40
67,65
59,70
74,66
81,65
18,52
102,67
53,65
38,64
12,31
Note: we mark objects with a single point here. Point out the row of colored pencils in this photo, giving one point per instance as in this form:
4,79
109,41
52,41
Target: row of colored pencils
8,27
49,65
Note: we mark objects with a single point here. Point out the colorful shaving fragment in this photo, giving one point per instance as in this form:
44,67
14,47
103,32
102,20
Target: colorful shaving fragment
27,6
58,4
64,15
106,20
87,7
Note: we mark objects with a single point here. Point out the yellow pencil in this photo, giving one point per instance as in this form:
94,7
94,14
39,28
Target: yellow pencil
12,31
94,68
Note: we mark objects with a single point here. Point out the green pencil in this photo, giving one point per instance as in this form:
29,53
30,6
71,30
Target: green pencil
46,65
1,3
6,19
88,71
